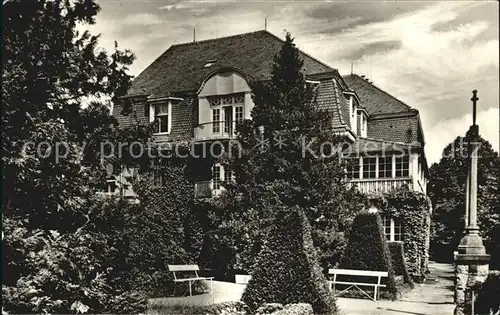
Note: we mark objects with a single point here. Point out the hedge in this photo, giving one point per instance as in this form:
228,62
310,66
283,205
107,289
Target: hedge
398,261
287,269
367,249
413,209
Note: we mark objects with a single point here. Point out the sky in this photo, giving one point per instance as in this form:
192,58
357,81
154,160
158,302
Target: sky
430,55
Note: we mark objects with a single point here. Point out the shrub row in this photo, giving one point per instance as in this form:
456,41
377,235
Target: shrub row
287,269
367,249
398,261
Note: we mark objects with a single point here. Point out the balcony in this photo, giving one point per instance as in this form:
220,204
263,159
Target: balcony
215,130
381,185
205,189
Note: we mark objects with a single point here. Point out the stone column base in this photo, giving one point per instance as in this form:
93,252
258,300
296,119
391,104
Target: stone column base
470,273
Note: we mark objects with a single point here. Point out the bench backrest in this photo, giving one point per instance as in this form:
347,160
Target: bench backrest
353,272
184,268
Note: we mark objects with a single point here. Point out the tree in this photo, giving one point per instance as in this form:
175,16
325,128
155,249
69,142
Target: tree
285,141
287,269
447,188
57,86
368,250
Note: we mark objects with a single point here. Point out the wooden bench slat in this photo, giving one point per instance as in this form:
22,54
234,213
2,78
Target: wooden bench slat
183,268
362,284
352,272
193,279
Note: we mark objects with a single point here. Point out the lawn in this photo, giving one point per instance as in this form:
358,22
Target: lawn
224,292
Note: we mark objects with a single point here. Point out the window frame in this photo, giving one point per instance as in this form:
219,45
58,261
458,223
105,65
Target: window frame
216,128
367,170
218,102
385,161
393,224
399,166
217,183
153,116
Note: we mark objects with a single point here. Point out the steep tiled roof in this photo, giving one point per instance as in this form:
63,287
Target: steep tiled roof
400,129
373,99
327,99
182,67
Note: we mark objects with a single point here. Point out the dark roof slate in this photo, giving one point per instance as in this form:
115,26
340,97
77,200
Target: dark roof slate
182,67
374,99
329,98
399,129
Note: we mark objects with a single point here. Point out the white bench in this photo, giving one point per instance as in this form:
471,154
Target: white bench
363,273
188,271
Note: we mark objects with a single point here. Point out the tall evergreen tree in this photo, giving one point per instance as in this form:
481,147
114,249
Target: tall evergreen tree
281,147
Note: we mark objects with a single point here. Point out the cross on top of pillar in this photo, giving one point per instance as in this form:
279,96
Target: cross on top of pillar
474,100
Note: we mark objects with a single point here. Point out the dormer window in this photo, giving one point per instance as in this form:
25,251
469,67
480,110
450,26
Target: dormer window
227,110
353,111
161,116
161,113
363,124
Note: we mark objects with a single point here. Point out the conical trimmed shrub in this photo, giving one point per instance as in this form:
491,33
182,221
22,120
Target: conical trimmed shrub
367,249
287,269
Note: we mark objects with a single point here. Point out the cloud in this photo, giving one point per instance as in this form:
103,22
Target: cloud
444,132
145,19
375,48
433,71
430,55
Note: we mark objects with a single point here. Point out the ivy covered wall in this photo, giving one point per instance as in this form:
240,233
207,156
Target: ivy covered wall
413,209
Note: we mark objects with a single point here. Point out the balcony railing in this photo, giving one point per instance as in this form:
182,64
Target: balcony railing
205,189
215,130
381,185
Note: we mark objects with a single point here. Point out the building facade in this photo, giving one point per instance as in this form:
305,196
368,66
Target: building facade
199,91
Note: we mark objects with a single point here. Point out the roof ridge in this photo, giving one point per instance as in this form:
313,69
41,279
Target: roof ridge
386,93
218,38
249,33
318,61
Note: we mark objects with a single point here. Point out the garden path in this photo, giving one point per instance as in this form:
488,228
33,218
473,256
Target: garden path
429,298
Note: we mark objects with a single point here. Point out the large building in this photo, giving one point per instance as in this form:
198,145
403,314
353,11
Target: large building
198,91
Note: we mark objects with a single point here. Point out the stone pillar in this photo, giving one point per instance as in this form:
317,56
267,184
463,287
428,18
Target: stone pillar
471,272
471,262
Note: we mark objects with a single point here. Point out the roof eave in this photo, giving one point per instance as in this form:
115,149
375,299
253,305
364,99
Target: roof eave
410,113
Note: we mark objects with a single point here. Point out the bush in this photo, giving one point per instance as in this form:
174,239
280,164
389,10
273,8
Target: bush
167,221
330,245
367,249
296,309
398,261
287,269
63,273
488,301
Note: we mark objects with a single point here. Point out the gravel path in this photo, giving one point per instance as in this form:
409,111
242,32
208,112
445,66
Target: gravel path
430,298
